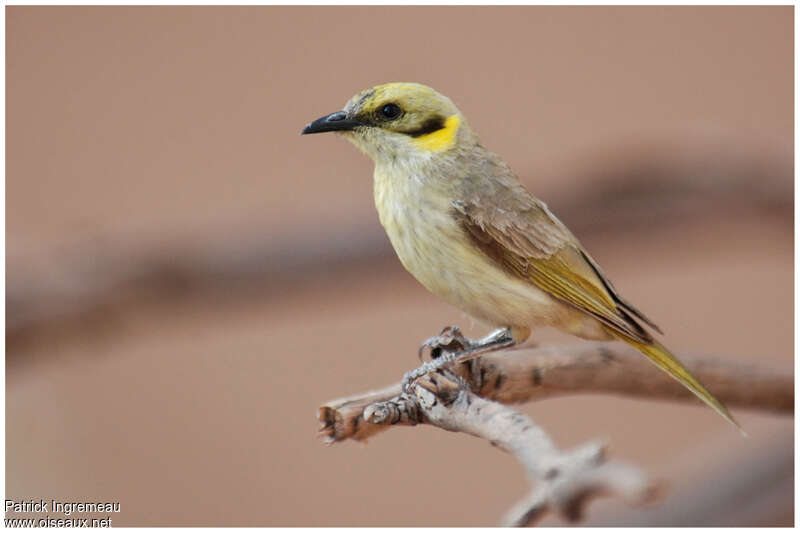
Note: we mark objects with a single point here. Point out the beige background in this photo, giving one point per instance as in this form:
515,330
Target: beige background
168,137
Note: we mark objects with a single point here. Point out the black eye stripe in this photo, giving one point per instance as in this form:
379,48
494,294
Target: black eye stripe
429,126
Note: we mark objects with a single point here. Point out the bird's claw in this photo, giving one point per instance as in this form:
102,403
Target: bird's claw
426,368
450,346
450,340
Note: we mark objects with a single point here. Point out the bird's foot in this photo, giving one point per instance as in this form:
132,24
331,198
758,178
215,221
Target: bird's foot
452,347
449,340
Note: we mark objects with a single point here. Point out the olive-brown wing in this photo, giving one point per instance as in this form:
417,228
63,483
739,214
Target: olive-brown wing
531,243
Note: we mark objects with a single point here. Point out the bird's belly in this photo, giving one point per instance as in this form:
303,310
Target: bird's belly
440,255
435,249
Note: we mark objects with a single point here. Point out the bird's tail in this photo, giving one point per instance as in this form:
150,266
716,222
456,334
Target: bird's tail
667,362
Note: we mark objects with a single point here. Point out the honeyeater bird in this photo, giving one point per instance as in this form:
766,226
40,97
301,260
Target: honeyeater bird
465,227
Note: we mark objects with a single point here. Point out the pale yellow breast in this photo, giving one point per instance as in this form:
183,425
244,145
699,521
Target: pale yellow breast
416,214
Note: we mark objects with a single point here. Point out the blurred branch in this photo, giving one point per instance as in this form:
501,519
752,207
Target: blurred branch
521,375
87,282
746,490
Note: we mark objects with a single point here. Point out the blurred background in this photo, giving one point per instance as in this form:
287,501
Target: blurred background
188,278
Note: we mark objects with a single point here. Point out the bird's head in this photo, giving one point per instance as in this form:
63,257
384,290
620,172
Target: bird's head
398,120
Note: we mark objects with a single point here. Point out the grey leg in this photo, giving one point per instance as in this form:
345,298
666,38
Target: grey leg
451,347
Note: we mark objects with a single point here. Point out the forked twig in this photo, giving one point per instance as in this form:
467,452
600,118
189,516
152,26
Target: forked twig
564,480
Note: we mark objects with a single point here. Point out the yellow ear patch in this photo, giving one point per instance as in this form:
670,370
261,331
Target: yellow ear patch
441,139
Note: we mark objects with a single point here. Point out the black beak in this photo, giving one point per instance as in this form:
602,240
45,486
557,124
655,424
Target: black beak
334,122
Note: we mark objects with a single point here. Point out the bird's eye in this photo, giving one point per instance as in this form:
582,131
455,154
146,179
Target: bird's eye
391,111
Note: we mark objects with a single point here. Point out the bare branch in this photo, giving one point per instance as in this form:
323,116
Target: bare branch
564,481
521,375
614,367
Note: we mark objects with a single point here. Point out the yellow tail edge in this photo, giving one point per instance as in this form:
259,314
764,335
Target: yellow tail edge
663,359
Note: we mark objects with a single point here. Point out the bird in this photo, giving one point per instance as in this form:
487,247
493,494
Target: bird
464,225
